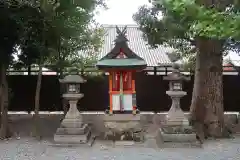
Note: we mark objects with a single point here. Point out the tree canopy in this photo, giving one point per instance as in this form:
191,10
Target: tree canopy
40,31
9,32
178,23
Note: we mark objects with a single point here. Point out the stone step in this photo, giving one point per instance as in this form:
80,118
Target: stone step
72,139
180,145
90,143
178,137
72,131
124,143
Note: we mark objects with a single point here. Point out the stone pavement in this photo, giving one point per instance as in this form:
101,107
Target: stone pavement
29,149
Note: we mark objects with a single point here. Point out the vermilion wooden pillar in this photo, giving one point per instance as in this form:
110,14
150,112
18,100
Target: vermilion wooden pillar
133,92
110,91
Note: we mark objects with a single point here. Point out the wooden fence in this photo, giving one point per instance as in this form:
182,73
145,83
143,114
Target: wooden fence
150,90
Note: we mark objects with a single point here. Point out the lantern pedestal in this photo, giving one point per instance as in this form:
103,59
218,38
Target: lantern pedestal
72,129
175,115
176,128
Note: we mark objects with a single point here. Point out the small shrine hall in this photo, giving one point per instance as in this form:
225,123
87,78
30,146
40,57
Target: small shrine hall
121,63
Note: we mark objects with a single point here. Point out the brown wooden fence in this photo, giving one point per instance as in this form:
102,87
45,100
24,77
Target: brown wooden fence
150,93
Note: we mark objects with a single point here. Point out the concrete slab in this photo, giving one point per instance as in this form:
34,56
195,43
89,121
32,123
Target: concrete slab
124,143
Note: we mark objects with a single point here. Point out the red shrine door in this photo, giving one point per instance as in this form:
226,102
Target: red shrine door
126,79
122,97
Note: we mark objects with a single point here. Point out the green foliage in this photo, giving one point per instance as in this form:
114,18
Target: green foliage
177,23
220,22
9,32
49,30
217,22
72,33
76,54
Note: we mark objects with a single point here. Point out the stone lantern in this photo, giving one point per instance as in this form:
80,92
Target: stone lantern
175,115
176,127
72,129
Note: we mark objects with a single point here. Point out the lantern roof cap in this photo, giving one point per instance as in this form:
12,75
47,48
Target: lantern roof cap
72,79
176,75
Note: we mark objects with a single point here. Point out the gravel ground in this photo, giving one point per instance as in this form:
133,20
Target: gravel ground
29,149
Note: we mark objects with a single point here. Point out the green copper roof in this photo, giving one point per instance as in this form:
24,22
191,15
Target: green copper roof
127,62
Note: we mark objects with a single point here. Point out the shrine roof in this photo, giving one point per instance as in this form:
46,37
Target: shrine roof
121,55
152,56
122,63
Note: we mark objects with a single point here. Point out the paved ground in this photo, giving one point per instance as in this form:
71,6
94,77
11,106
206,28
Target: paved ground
28,149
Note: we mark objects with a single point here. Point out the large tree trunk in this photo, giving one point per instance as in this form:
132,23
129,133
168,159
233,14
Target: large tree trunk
207,100
5,130
61,67
36,119
64,101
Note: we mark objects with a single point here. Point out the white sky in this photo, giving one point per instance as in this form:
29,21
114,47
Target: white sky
120,11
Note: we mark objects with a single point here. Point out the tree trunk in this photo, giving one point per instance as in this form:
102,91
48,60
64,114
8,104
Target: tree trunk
29,69
62,90
36,129
63,100
5,130
207,99
61,76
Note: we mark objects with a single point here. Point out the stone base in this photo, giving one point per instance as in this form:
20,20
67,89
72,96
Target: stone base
124,143
178,139
122,122
181,145
90,143
122,117
173,129
71,123
72,139
122,127
73,131
70,134
176,123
